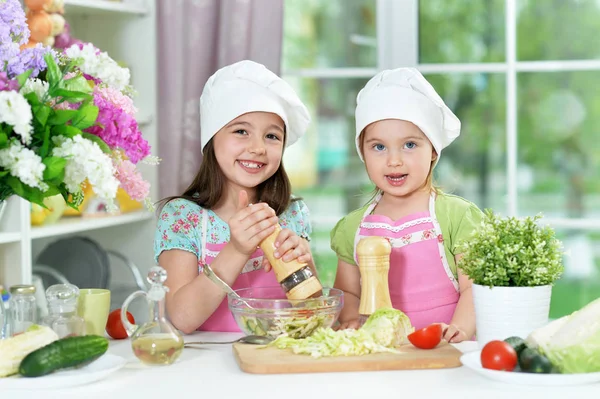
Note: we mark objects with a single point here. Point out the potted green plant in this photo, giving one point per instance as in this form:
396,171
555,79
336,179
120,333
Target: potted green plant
513,263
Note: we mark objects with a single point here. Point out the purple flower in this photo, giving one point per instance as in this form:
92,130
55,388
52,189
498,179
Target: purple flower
7,84
29,58
13,29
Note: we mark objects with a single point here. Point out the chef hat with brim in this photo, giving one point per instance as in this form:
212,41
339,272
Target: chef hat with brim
405,94
247,86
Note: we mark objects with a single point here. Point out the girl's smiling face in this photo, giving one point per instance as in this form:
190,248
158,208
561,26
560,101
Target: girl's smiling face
398,156
249,149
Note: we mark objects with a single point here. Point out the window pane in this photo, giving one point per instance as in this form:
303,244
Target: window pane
558,30
461,31
473,166
323,166
332,33
558,148
580,283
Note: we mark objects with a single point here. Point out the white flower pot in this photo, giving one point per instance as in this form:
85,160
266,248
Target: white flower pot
501,312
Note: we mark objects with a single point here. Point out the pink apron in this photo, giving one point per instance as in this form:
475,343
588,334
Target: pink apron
252,275
420,281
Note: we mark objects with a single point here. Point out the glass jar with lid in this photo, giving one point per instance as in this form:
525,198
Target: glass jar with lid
23,308
62,310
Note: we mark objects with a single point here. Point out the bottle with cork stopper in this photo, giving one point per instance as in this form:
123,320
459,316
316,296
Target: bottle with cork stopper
296,279
374,265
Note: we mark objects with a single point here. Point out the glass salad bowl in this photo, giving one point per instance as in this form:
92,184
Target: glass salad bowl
266,311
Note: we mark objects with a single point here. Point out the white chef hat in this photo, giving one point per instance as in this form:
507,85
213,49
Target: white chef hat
247,86
405,94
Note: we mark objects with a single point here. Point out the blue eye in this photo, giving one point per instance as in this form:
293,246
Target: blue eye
379,147
410,145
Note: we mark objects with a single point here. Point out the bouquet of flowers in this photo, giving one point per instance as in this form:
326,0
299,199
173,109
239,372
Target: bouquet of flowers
512,252
66,119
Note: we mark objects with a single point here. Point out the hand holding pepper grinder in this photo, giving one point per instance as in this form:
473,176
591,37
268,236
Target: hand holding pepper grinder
296,279
374,265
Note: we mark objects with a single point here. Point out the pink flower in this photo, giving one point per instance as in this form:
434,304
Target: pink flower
118,129
132,181
117,98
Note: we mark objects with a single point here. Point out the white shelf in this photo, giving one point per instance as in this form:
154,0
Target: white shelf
99,7
7,238
69,225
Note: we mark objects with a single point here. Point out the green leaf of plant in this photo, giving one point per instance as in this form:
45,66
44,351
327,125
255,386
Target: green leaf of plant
65,130
32,99
61,116
31,194
72,96
3,140
22,78
53,73
45,143
55,169
41,113
86,116
77,84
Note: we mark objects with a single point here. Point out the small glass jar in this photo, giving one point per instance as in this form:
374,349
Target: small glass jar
23,308
62,310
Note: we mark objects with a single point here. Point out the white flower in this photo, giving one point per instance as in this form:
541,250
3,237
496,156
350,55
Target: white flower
100,65
85,160
15,111
37,86
24,164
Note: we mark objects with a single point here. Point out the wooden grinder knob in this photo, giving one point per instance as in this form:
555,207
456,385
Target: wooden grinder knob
295,278
374,265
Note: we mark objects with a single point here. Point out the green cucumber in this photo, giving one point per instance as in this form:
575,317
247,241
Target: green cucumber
517,343
532,361
63,353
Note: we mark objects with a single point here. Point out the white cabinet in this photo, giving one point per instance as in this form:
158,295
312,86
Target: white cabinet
127,31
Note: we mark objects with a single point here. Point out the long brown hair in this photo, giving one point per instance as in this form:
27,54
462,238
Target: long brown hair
207,187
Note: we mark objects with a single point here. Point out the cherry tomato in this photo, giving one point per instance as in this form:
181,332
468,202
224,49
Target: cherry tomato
114,326
426,338
498,355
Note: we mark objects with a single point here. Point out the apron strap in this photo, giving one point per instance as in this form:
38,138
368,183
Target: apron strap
441,247
203,236
370,208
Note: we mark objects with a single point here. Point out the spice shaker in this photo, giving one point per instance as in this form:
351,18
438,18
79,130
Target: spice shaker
296,279
374,265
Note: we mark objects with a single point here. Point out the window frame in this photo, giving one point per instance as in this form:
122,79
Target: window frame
398,19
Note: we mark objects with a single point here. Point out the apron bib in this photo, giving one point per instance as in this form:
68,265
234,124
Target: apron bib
251,276
420,281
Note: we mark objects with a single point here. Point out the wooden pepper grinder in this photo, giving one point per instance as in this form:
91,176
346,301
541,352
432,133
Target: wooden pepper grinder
296,279
374,265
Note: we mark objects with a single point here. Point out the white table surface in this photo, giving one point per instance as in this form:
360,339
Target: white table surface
212,372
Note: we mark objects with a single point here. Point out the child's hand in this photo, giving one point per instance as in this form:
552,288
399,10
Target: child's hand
289,246
350,324
251,224
453,334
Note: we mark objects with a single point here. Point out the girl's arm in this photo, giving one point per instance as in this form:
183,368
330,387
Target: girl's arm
462,326
347,279
192,297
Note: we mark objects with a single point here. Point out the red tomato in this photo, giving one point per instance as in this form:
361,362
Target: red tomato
114,326
498,355
426,338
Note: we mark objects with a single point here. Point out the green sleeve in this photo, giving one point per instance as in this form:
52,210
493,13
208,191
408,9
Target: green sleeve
467,224
343,234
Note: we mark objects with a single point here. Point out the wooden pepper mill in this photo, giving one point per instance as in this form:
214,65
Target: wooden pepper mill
374,265
296,279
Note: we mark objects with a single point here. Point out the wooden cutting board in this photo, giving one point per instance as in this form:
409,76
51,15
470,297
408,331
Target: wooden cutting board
257,359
